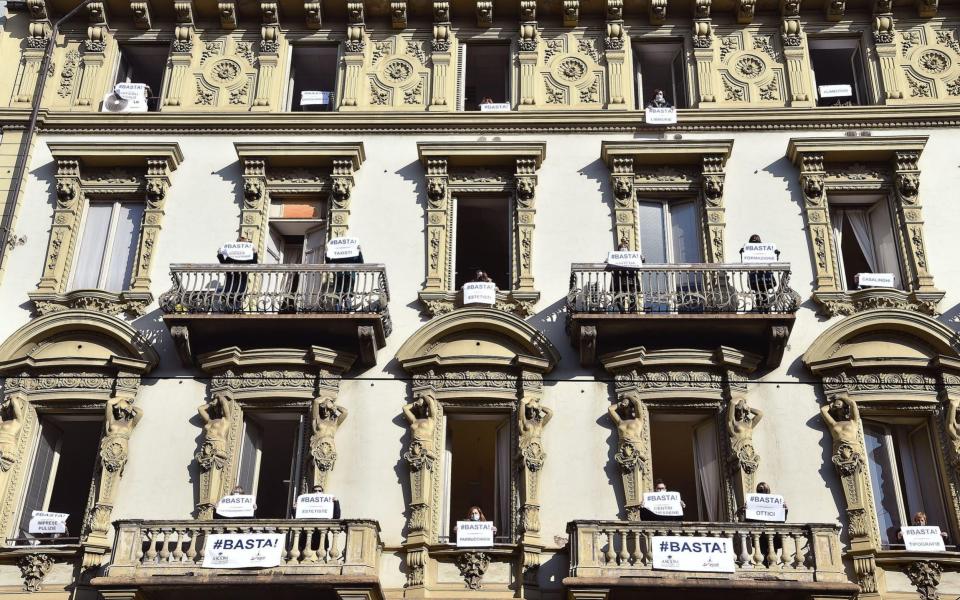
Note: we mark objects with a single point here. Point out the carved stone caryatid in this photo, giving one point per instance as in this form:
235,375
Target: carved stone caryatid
327,417
951,424
220,414
157,184
528,56
120,419
422,415
353,53
703,53
712,183
12,413
743,459
532,417
632,419
525,179
615,54
438,195
181,54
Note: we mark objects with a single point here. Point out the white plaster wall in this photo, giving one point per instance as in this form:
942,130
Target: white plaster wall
573,224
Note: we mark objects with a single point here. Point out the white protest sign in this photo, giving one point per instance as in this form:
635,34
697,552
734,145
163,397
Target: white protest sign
314,97
495,107
239,550
315,506
758,253
236,505
875,279
632,260
343,247
835,91
479,292
237,250
135,94
765,507
660,115
923,538
474,534
676,553
47,522
664,504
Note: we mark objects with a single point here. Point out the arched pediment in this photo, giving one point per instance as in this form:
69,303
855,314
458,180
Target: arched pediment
478,336
78,337
882,336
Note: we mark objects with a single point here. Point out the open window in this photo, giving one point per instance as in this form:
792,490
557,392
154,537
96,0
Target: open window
660,66
482,233
271,459
61,471
144,63
863,238
484,73
477,470
685,453
298,230
838,75
108,245
904,476
313,78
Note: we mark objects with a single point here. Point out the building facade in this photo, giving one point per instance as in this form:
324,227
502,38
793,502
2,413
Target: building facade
143,379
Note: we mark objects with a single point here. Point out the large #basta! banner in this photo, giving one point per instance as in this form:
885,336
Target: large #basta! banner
241,550
704,554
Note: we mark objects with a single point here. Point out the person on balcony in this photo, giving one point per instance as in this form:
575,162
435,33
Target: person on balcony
475,513
235,284
481,277
763,284
658,100
764,488
626,283
646,514
344,282
920,520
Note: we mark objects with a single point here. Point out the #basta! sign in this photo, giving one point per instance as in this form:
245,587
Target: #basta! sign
664,504
474,534
241,550
923,538
759,253
237,250
315,506
236,505
42,522
343,247
765,507
479,292
655,115
630,260
703,554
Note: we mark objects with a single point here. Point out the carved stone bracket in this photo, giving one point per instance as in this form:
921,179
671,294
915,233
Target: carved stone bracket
398,14
658,12
33,570
925,576
927,8
745,10
140,10
184,30
571,13
313,14
472,566
528,56
484,13
228,14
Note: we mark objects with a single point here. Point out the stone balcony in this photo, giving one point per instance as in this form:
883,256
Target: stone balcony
162,559
248,306
613,559
749,307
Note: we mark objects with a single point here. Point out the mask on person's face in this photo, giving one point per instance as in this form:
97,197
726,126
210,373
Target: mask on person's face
474,516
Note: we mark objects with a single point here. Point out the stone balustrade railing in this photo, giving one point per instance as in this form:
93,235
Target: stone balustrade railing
795,552
312,547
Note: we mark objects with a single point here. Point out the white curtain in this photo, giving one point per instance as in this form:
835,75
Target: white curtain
836,219
884,241
683,227
96,228
708,474
447,474
123,254
653,243
860,224
249,457
502,518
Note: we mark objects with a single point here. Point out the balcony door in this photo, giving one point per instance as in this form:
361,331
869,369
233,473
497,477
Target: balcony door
271,457
669,231
685,453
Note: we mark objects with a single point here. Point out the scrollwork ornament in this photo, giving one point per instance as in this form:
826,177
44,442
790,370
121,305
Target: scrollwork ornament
847,460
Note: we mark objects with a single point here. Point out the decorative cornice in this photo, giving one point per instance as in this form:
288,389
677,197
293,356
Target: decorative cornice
864,149
117,154
505,153
302,154
653,151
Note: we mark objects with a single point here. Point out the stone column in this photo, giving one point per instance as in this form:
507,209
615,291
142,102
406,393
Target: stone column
181,55
353,54
256,202
910,211
440,56
621,180
341,186
884,38
703,53
815,206
438,215
712,182
795,54
95,47
525,179
158,182
527,53
615,54
62,232
269,56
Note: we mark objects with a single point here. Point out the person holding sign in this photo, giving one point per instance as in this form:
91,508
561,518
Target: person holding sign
235,284
474,513
481,290
658,100
626,280
341,251
661,505
475,531
762,283
237,504
920,520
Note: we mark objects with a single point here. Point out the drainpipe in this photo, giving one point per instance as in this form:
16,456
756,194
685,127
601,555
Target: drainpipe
26,143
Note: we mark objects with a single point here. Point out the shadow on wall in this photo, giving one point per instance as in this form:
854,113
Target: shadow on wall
153,330
611,468
401,468
415,174
193,468
552,571
827,473
233,175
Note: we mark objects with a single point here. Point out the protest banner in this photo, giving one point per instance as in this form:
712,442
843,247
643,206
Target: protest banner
42,522
923,538
479,292
758,253
315,506
474,534
237,250
664,504
630,260
343,247
240,550
765,507
236,505
705,554
875,279
654,115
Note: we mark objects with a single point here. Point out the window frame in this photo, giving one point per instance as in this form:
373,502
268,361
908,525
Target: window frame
858,69
880,202
154,102
289,86
298,467
463,54
681,96
668,202
510,202
106,257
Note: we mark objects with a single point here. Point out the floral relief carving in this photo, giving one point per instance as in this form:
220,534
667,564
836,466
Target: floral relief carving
398,70
572,69
225,71
68,74
918,89
588,47
733,93
750,67
934,61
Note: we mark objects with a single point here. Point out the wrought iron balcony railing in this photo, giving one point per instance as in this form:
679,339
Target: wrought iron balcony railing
313,547
795,552
251,289
682,288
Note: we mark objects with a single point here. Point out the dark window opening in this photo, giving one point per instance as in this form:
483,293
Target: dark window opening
660,66
144,63
487,77
478,453
483,239
298,231
62,471
313,78
270,461
683,450
838,72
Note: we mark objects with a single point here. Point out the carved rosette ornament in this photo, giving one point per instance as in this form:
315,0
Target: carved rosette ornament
33,569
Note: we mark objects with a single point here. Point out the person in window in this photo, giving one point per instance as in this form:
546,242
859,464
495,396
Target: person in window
344,282
626,283
762,283
648,515
764,488
235,284
658,100
236,491
920,520
486,100
475,513
481,277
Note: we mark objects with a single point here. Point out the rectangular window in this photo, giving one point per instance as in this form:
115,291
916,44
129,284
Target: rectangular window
482,232
838,75
660,66
477,470
313,69
271,458
108,246
863,239
144,63
298,231
685,454
669,231
904,476
485,73
62,470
